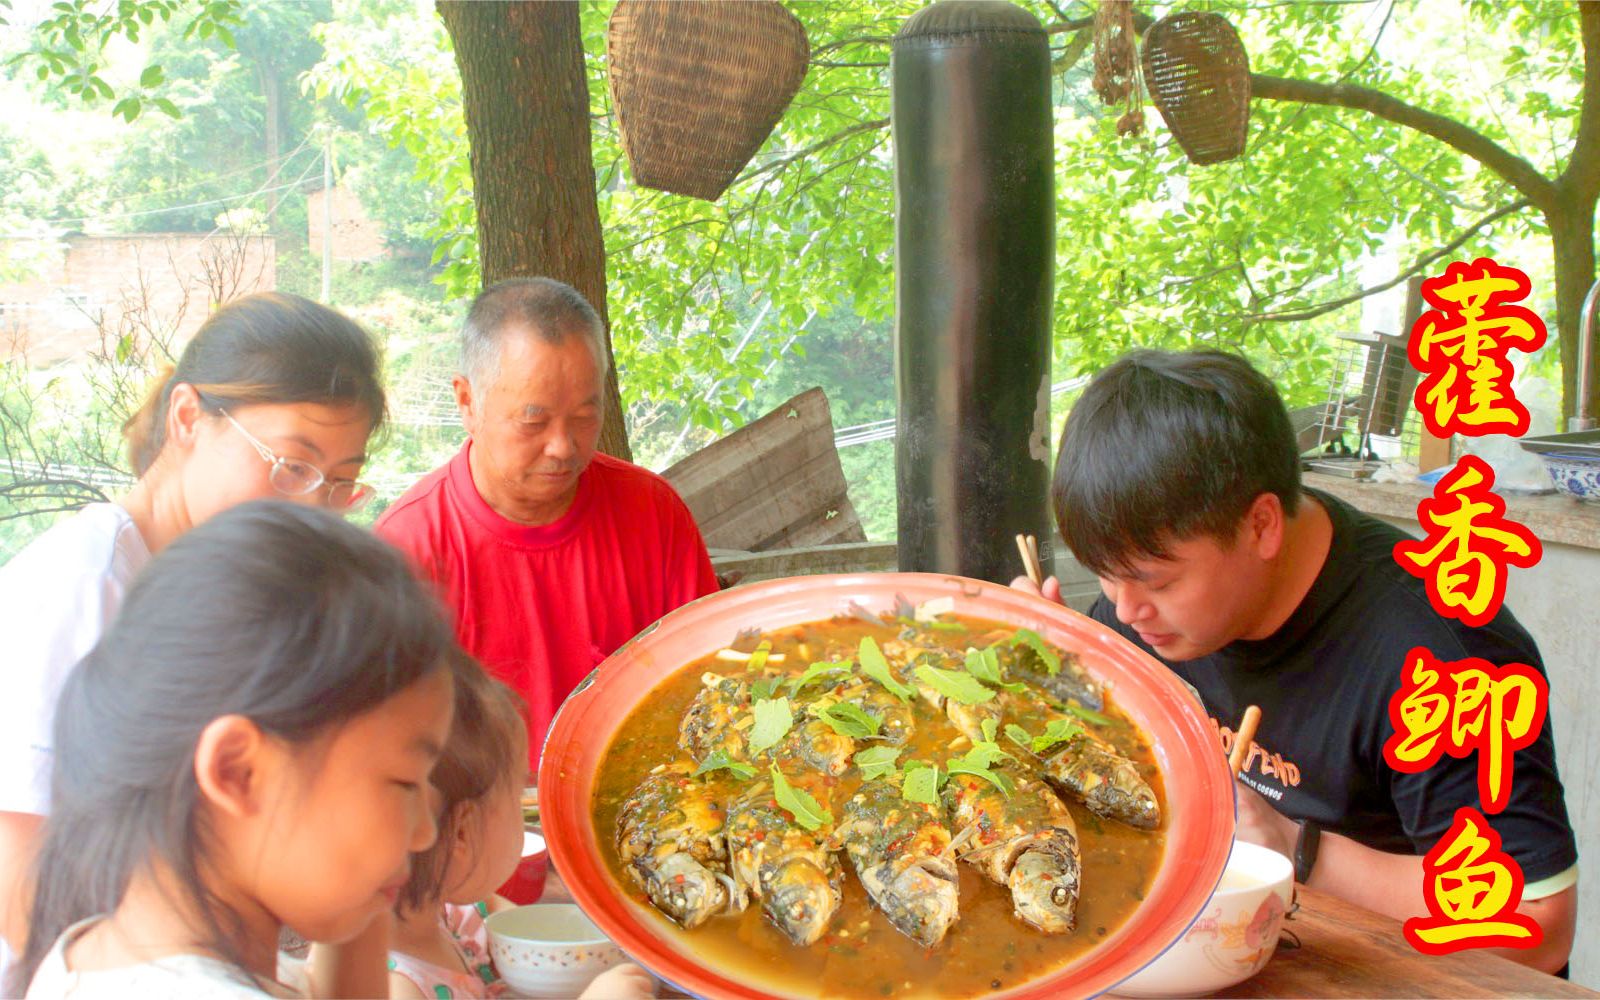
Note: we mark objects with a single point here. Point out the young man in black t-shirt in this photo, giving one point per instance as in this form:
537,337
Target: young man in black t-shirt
1178,484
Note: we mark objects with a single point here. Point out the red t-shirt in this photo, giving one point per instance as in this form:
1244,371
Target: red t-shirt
542,606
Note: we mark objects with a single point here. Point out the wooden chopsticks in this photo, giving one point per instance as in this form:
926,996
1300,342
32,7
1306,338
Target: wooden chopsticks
1028,548
1243,738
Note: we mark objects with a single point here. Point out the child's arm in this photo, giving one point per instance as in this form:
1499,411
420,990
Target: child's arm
357,968
401,988
621,982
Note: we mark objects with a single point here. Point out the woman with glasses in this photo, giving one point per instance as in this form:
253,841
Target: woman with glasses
275,396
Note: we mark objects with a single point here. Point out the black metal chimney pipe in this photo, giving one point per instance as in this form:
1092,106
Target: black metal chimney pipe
974,246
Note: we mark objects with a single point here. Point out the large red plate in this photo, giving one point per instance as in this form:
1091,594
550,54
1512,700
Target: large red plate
1200,808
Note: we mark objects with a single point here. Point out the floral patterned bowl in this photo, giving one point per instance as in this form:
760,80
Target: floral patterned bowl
1575,475
549,949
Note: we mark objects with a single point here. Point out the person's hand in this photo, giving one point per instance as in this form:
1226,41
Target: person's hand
1259,823
1051,591
621,982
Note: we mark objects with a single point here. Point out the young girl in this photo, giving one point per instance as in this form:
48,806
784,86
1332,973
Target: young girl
439,946
248,747
274,396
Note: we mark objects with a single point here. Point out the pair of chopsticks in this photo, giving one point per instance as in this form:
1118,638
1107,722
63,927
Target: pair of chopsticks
1028,548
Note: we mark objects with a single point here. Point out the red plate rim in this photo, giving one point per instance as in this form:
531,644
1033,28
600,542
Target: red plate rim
1200,808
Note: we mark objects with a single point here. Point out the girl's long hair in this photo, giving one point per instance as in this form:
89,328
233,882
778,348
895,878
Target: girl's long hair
266,348
281,613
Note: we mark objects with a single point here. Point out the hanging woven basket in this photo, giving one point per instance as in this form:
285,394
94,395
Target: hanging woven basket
698,87
1199,79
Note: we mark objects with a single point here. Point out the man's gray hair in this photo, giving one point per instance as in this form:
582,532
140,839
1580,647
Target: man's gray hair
549,309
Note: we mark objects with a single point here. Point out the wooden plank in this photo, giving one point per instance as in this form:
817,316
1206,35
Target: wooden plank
1348,951
857,557
775,482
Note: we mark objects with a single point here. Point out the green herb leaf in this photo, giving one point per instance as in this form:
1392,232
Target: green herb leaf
995,778
815,671
875,762
1019,736
921,785
984,664
758,659
986,754
762,688
990,728
718,760
957,686
848,720
1089,715
798,803
876,667
1057,732
1029,638
942,626
773,720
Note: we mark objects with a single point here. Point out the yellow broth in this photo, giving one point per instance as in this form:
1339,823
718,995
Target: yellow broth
862,955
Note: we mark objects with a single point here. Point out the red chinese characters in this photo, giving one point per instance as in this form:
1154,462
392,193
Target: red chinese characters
1465,707
1469,545
1461,348
1472,889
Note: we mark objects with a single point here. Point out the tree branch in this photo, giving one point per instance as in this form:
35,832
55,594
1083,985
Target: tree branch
818,146
1421,263
1539,190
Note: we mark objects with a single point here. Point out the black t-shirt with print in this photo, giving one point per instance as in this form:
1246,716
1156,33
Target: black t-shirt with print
1324,681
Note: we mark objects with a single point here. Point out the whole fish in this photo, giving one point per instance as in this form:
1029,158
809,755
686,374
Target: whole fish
719,718
794,872
1093,772
901,854
670,834
967,718
1025,841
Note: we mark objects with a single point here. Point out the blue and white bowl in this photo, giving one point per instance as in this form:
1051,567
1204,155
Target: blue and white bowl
1574,475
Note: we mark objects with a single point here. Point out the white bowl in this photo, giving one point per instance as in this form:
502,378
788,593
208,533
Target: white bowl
1234,935
549,949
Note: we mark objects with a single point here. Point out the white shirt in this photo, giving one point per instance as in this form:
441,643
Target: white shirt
57,596
178,977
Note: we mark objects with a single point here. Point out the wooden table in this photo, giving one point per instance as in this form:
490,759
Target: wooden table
1347,951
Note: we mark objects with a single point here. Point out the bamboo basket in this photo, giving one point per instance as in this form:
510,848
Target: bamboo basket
1199,79
698,86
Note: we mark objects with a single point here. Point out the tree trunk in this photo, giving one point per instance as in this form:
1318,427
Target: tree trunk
1572,240
525,95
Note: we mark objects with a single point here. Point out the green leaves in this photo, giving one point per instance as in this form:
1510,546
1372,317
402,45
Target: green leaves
957,686
773,720
816,672
998,779
763,687
921,784
798,803
875,762
1056,733
848,720
875,666
1029,638
1019,736
984,664
718,760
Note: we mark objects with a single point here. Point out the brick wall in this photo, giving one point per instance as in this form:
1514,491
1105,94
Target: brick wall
355,236
99,286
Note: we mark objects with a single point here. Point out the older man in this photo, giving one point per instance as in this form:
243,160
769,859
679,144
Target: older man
549,555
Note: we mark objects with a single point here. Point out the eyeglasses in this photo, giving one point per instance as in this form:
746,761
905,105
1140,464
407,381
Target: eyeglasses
295,478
